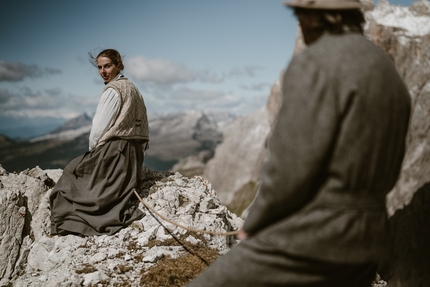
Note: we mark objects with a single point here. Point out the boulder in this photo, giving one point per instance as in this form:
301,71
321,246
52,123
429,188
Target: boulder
234,169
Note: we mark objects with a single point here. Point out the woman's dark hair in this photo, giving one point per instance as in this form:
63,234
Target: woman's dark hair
336,21
112,54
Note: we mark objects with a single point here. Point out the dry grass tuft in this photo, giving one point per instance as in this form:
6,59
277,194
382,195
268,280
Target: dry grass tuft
87,268
121,268
179,271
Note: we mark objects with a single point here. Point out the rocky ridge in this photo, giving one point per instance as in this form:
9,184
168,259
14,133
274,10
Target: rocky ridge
178,136
31,257
234,169
404,33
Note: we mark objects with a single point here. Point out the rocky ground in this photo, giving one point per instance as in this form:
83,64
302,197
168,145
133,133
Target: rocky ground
147,253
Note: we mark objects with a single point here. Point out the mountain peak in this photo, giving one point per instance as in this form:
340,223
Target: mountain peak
75,123
413,21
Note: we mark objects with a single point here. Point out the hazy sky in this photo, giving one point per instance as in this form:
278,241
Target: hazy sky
210,55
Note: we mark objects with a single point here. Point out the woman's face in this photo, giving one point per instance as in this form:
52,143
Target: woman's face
107,69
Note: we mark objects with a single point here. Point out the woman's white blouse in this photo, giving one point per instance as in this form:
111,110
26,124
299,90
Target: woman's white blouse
106,113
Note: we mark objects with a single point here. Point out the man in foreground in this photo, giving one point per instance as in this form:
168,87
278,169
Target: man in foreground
336,150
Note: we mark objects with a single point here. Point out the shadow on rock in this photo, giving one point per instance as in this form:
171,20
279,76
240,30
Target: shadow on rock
408,263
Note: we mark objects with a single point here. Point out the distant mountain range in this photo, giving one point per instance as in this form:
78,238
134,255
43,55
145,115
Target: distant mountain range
173,137
23,128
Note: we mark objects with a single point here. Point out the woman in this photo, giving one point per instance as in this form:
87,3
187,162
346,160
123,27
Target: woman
93,195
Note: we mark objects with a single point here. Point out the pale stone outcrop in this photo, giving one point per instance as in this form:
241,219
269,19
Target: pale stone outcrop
29,256
234,169
404,33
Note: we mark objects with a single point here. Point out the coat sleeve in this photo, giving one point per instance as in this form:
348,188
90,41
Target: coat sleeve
300,144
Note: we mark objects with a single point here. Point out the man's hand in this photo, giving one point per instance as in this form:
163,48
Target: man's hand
242,235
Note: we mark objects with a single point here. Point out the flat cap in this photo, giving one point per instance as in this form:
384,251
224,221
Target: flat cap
325,4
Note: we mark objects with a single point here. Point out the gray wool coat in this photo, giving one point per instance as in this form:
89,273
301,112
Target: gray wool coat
335,152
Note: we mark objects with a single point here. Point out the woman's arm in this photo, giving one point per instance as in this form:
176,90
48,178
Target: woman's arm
106,113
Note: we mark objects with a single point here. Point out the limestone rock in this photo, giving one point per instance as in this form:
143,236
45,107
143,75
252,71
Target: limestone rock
404,33
29,256
11,230
234,169
179,135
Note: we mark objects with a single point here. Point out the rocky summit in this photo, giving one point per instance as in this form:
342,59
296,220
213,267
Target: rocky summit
149,252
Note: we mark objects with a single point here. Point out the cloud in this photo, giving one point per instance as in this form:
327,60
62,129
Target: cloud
165,72
5,95
158,71
16,71
256,87
81,60
208,77
205,100
188,94
52,71
248,71
25,102
185,98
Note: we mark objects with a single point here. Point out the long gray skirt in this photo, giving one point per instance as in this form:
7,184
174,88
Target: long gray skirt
92,197
251,263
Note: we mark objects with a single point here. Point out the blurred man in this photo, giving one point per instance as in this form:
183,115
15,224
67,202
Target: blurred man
336,150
